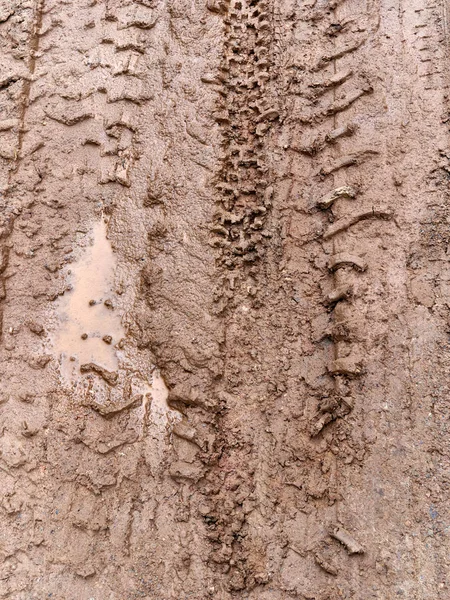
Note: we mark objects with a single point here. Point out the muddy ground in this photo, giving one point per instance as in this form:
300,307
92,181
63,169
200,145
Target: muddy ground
225,294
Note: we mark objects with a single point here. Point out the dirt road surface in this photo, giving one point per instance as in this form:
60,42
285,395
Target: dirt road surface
225,294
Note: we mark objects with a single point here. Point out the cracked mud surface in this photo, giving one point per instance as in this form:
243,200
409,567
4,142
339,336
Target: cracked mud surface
224,297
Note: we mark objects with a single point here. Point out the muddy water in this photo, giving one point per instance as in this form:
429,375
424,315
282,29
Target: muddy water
90,329
161,413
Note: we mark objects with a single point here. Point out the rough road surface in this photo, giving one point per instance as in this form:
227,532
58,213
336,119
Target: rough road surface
225,295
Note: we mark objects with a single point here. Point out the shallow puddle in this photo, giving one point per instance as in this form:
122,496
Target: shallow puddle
90,327
160,411
155,391
86,315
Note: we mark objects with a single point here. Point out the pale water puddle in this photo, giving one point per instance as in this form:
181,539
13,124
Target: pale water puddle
83,311
87,315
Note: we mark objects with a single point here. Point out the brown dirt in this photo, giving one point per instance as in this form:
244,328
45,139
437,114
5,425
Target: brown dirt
247,200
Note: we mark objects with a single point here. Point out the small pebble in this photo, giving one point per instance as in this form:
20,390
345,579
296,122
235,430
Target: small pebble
92,302
36,328
107,339
84,336
109,304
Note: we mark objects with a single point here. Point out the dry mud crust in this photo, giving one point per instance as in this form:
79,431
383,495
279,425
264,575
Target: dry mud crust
274,176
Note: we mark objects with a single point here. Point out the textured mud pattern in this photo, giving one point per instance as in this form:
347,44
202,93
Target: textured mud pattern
224,299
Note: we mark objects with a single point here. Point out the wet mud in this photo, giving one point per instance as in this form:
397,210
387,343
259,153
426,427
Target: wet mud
224,300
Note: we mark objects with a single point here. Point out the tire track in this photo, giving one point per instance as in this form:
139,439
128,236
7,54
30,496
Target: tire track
358,259
13,126
91,132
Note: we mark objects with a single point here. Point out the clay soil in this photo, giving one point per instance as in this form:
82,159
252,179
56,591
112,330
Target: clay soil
225,296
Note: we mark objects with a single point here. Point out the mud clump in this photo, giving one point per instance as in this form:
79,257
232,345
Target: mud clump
110,377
